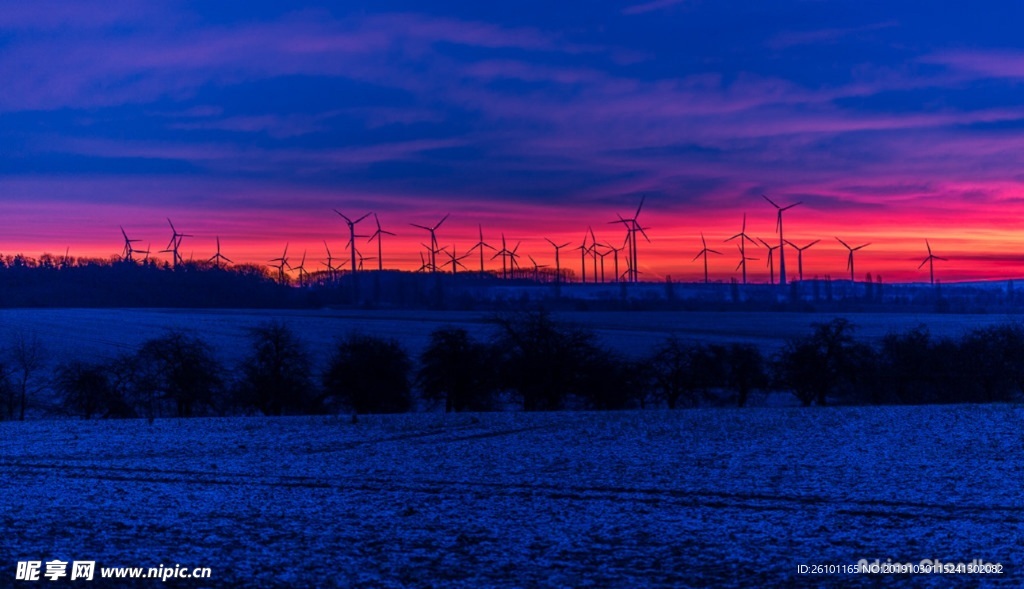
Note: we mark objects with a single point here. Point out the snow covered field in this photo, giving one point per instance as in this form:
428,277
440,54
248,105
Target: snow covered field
726,498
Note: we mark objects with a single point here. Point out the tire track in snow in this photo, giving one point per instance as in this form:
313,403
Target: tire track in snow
1008,514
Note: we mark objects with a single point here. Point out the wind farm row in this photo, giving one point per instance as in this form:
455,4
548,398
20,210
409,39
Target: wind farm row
615,259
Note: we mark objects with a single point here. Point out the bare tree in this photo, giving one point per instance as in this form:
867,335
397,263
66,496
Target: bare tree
28,357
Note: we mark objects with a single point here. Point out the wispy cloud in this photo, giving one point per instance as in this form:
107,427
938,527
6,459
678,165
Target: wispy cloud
789,39
651,6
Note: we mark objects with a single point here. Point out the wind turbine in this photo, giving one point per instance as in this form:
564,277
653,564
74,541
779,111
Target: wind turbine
703,252
743,261
283,262
302,269
771,260
536,268
508,258
632,228
433,241
558,261
174,244
583,259
849,259
377,235
217,257
126,253
423,263
800,255
594,253
778,229
513,259
930,260
362,259
481,245
615,252
352,235
744,238
602,256
456,260
331,268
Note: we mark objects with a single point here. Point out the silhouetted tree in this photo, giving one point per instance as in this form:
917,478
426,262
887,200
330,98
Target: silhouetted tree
994,357
685,373
609,382
827,362
276,376
87,390
182,369
8,394
369,375
543,361
744,368
458,370
908,366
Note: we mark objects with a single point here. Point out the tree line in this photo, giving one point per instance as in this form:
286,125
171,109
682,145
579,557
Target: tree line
531,362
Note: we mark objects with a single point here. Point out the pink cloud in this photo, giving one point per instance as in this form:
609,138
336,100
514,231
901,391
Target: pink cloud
981,63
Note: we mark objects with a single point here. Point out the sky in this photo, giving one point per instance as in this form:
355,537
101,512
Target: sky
891,122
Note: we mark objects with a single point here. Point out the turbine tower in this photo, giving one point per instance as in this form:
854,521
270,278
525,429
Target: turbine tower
303,275
506,254
703,252
584,250
481,245
771,259
930,260
800,255
558,261
593,252
778,229
378,234
744,238
615,256
849,259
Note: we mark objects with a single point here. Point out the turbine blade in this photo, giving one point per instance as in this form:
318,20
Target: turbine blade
770,200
